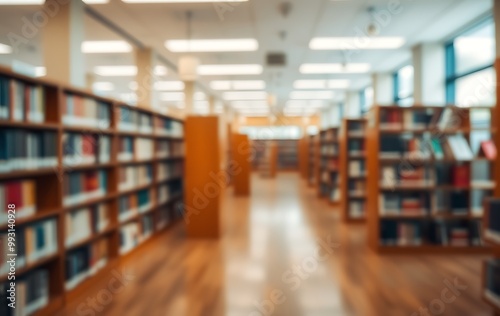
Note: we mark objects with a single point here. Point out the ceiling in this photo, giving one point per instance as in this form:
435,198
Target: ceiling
419,21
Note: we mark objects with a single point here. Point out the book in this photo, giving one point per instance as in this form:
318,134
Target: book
493,277
487,150
86,112
129,237
169,127
84,185
78,226
126,149
460,148
41,240
143,149
21,193
134,176
460,176
24,149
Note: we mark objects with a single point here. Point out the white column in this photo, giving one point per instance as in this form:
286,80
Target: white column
211,104
429,74
352,106
189,90
62,38
383,89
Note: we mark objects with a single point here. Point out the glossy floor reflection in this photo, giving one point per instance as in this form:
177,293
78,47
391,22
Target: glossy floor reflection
283,245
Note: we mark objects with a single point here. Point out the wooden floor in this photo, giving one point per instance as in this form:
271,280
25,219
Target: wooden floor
270,251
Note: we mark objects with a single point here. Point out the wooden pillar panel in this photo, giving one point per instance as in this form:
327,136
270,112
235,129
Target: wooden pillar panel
242,158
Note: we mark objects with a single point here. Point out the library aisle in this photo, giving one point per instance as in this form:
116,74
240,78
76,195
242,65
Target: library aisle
284,254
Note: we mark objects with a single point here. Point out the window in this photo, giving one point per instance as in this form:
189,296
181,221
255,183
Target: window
470,77
403,86
366,99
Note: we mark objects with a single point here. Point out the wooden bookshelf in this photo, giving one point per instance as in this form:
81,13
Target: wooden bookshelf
328,180
492,238
242,157
435,213
353,170
313,161
287,153
303,156
50,186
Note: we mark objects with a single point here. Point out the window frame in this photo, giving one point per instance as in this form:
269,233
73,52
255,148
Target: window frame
451,61
395,82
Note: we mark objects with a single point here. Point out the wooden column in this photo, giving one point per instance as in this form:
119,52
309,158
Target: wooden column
145,62
242,157
204,179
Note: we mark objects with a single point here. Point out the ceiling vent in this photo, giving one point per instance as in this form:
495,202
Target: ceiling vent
276,60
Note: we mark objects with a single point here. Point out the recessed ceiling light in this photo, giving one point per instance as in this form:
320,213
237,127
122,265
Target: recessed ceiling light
212,45
238,85
356,43
321,84
222,70
334,68
244,95
103,86
116,71
5,49
172,96
180,1
93,47
311,95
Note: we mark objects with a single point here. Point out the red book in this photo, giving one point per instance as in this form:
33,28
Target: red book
91,183
14,194
88,145
460,176
488,150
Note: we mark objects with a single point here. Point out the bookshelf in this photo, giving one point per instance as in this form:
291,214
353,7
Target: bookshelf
303,156
287,154
353,170
95,177
328,180
427,175
313,160
491,268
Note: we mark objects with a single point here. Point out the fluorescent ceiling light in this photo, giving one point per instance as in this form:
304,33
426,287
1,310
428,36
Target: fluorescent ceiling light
93,47
221,70
238,85
305,104
160,71
249,104
5,49
212,45
125,71
22,2
116,71
96,1
103,86
169,85
311,95
199,96
334,68
40,71
162,85
321,84
244,95
356,43
172,96
180,1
